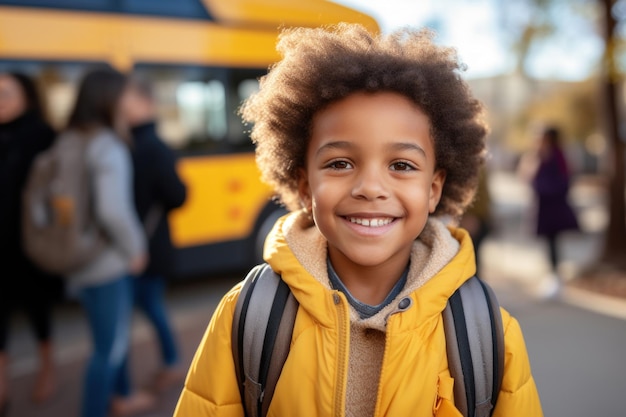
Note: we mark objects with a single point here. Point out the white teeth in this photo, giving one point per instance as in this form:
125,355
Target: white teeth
371,222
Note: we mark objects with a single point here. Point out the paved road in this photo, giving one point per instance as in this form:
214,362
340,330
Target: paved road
576,354
577,359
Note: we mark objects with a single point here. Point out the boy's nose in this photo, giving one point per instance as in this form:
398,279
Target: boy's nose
370,185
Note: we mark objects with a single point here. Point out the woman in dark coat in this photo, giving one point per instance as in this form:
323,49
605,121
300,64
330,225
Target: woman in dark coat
23,134
158,190
550,184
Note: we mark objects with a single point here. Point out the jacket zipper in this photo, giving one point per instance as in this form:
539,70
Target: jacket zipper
379,393
342,357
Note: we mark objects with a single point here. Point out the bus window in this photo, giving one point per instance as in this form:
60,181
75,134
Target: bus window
247,88
202,110
198,106
242,83
216,109
183,94
190,97
240,132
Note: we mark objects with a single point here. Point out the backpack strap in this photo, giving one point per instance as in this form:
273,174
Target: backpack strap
261,336
475,347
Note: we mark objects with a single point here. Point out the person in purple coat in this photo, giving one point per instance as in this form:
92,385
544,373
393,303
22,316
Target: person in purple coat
551,183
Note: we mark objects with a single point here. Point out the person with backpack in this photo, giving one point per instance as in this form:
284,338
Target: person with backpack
24,133
369,140
103,282
158,190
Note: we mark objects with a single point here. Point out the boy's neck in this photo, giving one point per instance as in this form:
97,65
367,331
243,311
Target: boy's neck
369,284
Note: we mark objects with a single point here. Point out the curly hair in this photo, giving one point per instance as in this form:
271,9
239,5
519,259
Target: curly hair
323,65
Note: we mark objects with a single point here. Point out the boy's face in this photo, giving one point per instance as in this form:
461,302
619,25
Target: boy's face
370,178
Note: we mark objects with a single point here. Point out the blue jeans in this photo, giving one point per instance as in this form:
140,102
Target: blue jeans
109,313
149,298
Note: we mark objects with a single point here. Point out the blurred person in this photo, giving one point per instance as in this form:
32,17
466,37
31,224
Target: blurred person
104,286
158,190
24,133
477,218
547,171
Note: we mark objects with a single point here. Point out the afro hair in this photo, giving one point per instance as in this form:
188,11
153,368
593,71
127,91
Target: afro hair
324,65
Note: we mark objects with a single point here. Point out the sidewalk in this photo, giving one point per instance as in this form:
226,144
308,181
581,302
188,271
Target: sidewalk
515,261
519,270
191,306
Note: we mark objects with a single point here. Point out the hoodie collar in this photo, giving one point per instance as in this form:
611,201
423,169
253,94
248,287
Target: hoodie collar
441,260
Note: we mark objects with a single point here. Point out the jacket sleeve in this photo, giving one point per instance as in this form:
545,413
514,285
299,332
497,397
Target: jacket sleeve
518,395
211,385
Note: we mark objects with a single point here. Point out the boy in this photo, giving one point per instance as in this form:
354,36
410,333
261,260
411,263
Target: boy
368,140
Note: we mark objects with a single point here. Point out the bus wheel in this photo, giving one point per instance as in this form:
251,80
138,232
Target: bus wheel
263,229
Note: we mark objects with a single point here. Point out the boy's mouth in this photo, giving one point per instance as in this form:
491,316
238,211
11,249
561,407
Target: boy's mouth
371,222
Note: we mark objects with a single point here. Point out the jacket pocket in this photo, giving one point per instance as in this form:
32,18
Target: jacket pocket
444,403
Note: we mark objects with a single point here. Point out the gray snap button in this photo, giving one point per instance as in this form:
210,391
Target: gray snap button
404,303
336,298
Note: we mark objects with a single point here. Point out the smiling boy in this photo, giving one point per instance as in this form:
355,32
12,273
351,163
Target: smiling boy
368,140
370,183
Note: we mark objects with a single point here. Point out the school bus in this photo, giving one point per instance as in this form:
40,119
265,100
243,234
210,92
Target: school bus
203,57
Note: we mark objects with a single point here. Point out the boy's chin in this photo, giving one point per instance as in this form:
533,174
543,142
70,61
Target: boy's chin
370,258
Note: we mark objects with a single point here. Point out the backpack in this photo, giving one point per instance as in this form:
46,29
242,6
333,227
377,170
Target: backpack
59,233
261,337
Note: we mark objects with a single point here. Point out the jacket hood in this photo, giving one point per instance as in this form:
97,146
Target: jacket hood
442,259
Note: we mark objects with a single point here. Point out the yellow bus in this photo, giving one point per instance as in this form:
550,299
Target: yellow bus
203,57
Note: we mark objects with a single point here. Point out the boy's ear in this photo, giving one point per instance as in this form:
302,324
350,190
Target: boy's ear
436,188
304,190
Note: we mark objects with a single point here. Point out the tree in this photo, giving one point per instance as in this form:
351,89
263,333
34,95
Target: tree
614,251
527,26
537,25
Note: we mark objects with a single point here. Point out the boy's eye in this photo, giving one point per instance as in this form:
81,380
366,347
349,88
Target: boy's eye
402,166
339,165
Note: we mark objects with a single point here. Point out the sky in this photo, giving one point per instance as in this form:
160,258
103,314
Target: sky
475,29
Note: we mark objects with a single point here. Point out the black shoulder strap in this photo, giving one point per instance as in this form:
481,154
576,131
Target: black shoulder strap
261,336
475,347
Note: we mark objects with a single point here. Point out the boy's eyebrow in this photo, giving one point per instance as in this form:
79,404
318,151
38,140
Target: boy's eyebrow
334,145
408,146
397,146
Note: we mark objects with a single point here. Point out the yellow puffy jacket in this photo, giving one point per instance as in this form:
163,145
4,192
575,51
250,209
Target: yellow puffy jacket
414,378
